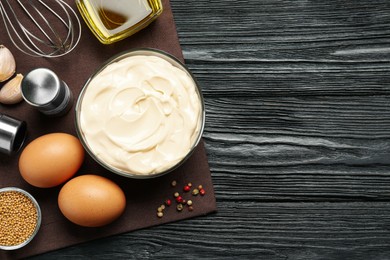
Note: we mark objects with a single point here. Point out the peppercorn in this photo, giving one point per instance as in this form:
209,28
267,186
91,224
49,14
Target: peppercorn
179,207
179,199
186,188
18,218
181,202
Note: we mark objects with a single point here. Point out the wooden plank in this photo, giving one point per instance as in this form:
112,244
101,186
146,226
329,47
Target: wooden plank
253,230
324,148
279,48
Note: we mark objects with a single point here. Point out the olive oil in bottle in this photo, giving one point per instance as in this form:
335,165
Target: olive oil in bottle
114,20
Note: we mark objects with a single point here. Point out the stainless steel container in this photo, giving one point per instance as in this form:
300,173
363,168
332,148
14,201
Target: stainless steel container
42,89
12,134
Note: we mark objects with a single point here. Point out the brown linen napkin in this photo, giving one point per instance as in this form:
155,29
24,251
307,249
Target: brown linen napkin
143,196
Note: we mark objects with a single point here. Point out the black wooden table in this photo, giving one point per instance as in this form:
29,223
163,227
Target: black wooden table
298,134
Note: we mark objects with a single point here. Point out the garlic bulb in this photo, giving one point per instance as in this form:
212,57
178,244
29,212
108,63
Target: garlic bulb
7,63
11,93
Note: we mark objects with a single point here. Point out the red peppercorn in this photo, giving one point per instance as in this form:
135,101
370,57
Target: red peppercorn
168,202
202,192
187,188
179,199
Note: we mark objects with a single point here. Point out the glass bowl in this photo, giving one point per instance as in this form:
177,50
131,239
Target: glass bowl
38,222
112,21
100,74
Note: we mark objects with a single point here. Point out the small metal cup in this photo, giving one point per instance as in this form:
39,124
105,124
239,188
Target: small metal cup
12,134
39,217
42,89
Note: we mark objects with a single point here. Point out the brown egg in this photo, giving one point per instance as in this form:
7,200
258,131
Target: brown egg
91,201
51,159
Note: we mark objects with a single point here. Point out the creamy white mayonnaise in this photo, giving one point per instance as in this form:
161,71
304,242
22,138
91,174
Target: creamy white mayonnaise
141,115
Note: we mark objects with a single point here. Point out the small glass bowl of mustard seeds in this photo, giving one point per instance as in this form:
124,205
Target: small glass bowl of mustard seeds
20,218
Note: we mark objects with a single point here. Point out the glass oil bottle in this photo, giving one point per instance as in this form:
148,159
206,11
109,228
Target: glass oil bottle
113,20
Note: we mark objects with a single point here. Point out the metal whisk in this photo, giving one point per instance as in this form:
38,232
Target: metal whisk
41,28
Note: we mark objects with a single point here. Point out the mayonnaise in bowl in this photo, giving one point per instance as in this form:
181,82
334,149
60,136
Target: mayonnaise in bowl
141,114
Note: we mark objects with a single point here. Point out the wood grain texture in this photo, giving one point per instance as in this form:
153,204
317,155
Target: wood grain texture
297,132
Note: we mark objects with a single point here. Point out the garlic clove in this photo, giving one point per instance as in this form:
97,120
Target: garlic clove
7,63
11,92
